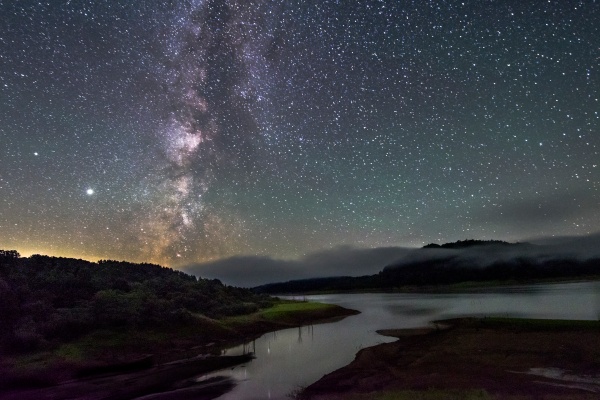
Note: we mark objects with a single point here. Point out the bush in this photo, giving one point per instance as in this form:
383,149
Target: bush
25,337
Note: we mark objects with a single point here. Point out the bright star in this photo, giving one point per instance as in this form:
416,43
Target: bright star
90,192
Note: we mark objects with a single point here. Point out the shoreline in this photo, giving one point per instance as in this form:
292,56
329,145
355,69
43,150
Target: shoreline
176,359
460,287
464,358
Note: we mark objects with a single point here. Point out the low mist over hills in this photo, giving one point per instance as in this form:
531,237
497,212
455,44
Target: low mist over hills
462,261
252,271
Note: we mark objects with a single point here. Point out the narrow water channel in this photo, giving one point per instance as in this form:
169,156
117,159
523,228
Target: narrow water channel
289,359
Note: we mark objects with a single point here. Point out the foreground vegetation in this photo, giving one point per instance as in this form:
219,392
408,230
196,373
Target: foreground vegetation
92,356
64,318
430,394
48,300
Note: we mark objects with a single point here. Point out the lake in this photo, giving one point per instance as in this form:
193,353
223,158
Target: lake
292,358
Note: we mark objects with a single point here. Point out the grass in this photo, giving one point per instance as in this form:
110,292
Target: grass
32,361
431,394
104,345
72,352
287,309
438,394
285,312
116,342
535,324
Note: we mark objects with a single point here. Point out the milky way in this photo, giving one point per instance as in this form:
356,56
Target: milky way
213,81
183,131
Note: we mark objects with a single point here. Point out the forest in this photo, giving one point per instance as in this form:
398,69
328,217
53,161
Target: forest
49,300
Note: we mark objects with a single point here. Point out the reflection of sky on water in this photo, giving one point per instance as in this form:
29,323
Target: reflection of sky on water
597,296
296,357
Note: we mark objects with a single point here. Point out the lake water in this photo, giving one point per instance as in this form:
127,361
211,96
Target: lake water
293,358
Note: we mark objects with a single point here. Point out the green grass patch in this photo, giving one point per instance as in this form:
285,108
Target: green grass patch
96,343
534,324
102,345
431,394
284,310
32,361
232,322
73,351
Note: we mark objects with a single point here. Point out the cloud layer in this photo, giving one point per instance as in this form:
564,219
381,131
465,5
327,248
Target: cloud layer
250,271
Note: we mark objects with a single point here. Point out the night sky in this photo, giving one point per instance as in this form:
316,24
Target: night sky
179,132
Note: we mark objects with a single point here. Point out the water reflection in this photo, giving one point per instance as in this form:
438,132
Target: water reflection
288,359
597,296
403,309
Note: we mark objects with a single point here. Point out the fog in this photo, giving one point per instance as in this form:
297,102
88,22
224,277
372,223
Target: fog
250,271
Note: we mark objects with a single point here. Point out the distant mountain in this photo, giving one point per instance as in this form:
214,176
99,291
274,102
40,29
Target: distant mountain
452,263
463,244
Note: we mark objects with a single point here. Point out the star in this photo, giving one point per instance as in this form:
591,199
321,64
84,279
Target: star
317,124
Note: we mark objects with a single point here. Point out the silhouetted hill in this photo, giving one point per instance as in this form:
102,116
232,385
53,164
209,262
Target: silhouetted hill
45,299
451,263
463,244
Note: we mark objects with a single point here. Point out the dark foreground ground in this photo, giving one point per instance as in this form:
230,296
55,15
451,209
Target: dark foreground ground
485,358
150,365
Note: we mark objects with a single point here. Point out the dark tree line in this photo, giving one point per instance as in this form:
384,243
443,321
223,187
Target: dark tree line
463,244
45,300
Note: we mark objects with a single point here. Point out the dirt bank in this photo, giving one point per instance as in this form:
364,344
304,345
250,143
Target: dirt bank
506,358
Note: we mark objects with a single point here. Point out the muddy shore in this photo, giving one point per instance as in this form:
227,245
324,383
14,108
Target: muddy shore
501,358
